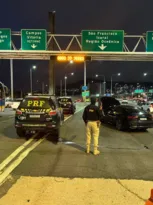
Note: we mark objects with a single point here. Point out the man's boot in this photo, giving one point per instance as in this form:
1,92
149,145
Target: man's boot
96,151
88,149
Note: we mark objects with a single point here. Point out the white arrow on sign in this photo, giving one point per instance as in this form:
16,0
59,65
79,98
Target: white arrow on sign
33,46
102,47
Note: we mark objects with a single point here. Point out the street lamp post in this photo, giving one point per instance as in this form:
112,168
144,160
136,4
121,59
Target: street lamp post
65,85
65,78
116,87
33,68
103,82
118,74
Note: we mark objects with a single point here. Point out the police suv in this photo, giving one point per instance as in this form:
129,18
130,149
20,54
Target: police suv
38,113
67,105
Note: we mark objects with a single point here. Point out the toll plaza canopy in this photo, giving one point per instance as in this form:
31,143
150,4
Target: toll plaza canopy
108,45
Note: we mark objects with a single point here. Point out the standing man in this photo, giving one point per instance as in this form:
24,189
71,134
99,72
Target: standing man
91,117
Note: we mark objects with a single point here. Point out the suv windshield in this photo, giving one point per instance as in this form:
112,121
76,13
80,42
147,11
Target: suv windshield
44,103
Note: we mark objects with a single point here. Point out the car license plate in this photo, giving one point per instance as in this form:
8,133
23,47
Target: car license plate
34,116
143,118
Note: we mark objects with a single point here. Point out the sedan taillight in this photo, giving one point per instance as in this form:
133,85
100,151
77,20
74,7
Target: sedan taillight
132,117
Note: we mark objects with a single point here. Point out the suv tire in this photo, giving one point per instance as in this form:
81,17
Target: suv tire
20,132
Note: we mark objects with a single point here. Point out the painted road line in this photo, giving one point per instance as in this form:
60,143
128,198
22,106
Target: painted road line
22,156
5,174
73,115
18,150
15,153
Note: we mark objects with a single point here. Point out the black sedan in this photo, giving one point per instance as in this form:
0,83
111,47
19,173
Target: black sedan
127,117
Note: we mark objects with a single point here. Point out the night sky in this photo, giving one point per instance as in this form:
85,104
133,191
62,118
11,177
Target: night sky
132,16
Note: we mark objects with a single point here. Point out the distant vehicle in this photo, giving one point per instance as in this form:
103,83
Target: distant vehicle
79,100
8,103
124,102
67,105
15,103
147,106
38,113
3,93
128,117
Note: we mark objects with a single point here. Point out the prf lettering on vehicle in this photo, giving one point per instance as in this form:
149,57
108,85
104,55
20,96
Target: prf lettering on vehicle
35,103
64,100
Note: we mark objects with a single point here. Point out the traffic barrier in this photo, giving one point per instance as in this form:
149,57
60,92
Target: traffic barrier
150,200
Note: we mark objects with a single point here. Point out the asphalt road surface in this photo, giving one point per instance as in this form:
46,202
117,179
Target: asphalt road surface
124,155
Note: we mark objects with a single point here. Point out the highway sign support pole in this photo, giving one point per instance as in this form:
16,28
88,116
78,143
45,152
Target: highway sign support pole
43,88
111,84
31,80
65,87
61,88
104,85
11,74
85,77
85,74
51,61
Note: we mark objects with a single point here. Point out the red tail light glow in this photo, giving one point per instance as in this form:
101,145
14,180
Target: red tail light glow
18,112
52,113
132,117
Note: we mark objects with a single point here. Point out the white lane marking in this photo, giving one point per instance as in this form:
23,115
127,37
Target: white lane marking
18,150
22,156
4,175
15,153
73,115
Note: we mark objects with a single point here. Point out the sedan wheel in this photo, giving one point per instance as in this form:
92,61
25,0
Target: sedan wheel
119,125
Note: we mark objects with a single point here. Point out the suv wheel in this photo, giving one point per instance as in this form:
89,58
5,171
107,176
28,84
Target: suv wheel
56,135
20,132
73,111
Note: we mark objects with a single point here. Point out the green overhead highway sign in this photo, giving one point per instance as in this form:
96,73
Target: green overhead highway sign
5,39
85,94
139,91
151,91
33,39
102,40
149,41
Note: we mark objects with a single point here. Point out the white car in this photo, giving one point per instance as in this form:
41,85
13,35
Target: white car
147,106
16,103
8,103
124,102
